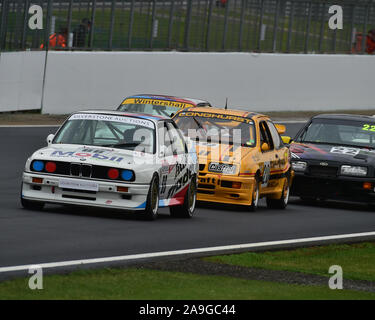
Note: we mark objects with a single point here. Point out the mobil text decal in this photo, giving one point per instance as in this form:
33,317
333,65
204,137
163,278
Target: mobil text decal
88,153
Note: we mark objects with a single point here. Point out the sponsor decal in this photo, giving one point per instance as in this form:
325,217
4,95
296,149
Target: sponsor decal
215,116
104,117
167,168
84,155
157,102
163,184
222,168
179,168
266,174
181,182
345,150
295,156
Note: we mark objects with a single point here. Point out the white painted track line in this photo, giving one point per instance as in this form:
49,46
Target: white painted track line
220,249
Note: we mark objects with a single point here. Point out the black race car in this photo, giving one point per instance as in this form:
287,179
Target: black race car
333,157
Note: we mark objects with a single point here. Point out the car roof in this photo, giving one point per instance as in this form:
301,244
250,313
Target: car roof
192,101
344,116
127,114
233,112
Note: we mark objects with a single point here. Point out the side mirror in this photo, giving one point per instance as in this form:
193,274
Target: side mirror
50,138
280,128
286,139
265,147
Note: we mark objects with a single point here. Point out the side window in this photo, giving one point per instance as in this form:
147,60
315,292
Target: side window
275,135
178,144
265,135
164,139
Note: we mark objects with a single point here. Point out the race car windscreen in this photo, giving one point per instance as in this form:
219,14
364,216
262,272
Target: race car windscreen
153,106
108,131
339,132
213,127
149,109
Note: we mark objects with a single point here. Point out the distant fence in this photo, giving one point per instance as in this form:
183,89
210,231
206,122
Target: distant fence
293,26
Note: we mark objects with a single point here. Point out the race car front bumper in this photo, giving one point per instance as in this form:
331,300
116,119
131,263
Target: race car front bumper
339,188
47,188
225,189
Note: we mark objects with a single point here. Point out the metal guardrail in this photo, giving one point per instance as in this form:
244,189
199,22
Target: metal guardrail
290,26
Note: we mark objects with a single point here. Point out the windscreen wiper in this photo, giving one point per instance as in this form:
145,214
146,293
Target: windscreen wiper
126,144
198,123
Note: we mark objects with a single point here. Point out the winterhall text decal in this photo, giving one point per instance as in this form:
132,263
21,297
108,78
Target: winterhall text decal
156,102
215,116
105,117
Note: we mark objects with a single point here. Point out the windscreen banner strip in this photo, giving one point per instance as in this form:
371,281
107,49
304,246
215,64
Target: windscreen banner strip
105,117
215,116
156,102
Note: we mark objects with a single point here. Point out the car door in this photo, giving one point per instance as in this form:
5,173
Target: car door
279,148
179,175
167,160
269,158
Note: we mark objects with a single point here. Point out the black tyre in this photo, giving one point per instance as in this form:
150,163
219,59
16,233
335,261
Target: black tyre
255,195
32,205
186,210
152,203
283,201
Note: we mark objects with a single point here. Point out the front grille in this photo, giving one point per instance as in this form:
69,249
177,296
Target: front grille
80,191
82,170
86,170
205,191
226,184
75,169
78,197
321,171
206,186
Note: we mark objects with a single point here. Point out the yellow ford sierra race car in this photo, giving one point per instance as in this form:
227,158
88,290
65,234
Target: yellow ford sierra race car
159,105
241,156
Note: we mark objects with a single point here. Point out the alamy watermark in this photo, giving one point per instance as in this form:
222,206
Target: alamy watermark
36,280
336,281
336,20
36,20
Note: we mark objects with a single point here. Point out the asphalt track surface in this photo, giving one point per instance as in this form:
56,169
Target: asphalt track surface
66,233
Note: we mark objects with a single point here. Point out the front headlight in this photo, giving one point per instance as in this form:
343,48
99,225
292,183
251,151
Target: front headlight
299,166
354,171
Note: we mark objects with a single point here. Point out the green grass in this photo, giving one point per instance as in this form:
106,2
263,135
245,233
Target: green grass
356,260
149,284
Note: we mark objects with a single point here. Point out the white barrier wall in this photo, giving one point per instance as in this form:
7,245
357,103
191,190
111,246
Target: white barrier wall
261,82
21,80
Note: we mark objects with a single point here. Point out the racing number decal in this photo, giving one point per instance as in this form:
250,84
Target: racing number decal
266,174
368,127
163,184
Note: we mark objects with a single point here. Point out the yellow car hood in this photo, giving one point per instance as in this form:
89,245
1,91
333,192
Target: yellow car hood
216,152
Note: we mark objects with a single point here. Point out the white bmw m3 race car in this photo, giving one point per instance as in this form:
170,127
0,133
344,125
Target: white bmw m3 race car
116,160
